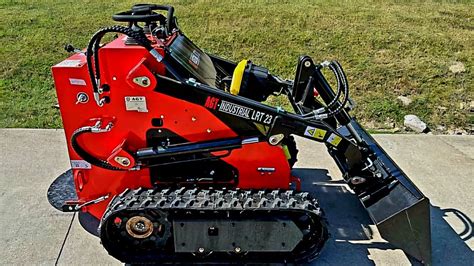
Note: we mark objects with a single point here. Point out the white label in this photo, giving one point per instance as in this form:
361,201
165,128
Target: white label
70,63
135,103
309,131
195,59
80,164
79,82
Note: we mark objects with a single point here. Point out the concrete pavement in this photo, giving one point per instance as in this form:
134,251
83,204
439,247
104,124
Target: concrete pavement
441,166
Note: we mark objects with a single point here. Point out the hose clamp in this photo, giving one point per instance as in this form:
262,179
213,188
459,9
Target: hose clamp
97,127
325,63
100,102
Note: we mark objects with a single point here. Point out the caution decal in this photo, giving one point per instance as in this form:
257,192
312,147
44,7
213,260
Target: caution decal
316,133
334,139
320,134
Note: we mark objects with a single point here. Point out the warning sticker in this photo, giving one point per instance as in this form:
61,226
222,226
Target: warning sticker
80,164
79,82
316,133
135,103
70,63
334,139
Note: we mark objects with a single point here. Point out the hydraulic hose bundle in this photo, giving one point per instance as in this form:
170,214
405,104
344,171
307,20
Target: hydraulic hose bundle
342,85
93,52
336,105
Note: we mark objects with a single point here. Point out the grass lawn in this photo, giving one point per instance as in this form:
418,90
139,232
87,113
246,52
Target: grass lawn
388,49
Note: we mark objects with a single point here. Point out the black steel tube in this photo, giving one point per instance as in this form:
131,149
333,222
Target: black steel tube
191,148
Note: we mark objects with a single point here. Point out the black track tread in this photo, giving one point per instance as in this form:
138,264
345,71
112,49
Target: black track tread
168,200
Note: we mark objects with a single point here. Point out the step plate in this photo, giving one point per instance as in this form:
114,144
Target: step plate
62,190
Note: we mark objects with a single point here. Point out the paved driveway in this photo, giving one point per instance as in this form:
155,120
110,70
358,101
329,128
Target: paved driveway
441,166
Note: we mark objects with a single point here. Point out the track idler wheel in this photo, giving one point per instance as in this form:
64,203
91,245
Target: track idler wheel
140,227
137,231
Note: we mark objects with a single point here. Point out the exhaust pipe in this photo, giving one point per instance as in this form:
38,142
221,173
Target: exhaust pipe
399,209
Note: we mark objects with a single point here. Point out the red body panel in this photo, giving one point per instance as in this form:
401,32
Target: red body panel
121,63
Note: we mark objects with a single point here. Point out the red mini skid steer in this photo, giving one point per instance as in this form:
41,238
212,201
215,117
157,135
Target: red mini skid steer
176,159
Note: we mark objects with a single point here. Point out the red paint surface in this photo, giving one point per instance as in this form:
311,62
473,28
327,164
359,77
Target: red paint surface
119,65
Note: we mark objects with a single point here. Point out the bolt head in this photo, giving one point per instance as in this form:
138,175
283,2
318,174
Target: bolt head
82,98
140,226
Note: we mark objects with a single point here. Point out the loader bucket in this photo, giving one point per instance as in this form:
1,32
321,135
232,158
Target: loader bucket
401,212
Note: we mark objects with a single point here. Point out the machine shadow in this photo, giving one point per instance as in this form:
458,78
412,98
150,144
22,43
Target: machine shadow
449,246
348,225
346,219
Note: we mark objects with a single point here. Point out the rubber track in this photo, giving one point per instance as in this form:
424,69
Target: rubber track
201,200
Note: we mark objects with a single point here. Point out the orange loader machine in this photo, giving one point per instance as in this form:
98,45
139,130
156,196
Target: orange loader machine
176,157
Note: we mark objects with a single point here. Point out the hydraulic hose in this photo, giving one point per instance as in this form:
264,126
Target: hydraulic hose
85,155
94,46
339,85
342,81
342,88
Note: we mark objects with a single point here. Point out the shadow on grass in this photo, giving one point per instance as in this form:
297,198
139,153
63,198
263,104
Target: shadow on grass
348,224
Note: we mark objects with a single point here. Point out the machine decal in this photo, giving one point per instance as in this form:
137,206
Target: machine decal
136,103
244,112
334,139
70,63
316,133
195,59
80,164
235,109
211,102
79,82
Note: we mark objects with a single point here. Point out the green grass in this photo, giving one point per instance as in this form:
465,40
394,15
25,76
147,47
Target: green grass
388,48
